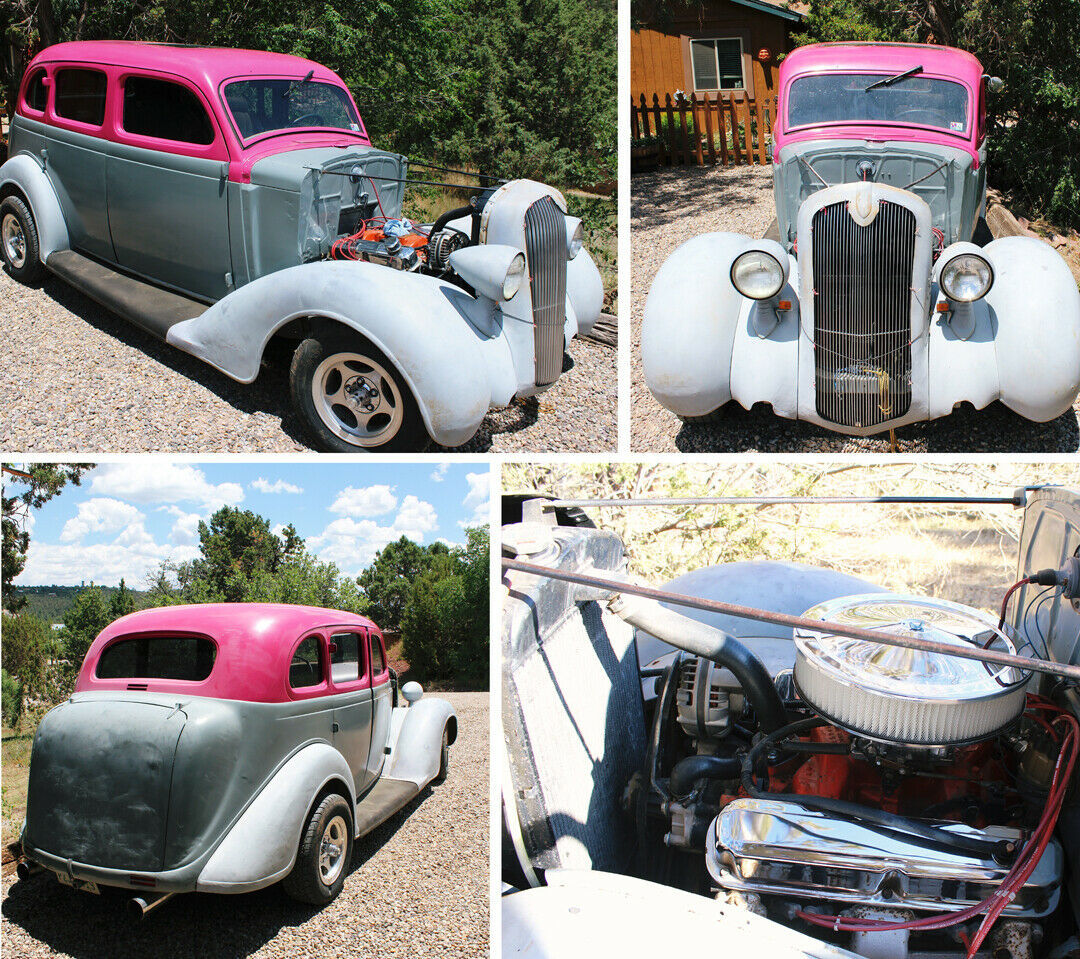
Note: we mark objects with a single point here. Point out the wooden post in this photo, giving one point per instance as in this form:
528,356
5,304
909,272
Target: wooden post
698,128
760,130
685,139
643,110
670,127
721,129
659,129
734,127
709,129
748,131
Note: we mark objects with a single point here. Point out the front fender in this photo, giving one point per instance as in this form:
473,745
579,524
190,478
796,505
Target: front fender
691,316
416,740
585,290
25,173
261,847
431,330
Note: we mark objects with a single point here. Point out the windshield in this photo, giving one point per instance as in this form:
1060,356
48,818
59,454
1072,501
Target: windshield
264,106
843,98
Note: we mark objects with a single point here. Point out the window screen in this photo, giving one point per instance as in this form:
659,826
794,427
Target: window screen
717,64
158,657
36,92
80,95
345,659
306,668
169,111
378,662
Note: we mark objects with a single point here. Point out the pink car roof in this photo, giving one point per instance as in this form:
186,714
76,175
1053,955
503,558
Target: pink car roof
887,59
255,642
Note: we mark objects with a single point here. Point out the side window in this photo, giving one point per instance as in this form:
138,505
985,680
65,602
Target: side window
169,111
345,663
80,96
306,668
378,661
36,92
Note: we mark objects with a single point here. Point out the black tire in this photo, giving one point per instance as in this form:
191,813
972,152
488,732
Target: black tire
716,416
393,418
28,269
444,760
305,883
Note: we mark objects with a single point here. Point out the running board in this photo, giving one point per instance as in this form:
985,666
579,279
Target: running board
149,307
385,799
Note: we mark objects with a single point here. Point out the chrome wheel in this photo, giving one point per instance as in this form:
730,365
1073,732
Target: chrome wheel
335,841
357,399
14,240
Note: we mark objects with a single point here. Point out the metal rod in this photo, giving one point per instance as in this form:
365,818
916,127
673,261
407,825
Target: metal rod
447,169
797,622
1015,500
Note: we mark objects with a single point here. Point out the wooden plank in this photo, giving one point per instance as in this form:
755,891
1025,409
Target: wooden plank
670,132
698,127
761,136
644,113
659,129
734,127
709,130
684,141
748,133
721,129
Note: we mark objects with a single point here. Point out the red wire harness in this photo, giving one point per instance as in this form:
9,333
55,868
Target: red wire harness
994,905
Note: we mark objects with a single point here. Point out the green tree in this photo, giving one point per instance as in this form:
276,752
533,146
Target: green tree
122,602
387,581
87,617
11,698
28,646
27,488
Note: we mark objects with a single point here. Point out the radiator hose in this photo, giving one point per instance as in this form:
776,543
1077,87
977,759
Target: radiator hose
709,643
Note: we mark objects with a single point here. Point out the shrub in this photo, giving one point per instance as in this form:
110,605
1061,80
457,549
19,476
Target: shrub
11,696
27,649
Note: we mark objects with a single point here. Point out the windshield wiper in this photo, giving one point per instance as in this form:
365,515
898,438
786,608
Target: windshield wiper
889,81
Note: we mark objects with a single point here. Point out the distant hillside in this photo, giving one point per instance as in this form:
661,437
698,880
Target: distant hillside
51,602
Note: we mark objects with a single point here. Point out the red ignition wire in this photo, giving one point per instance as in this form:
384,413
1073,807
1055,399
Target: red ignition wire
1005,604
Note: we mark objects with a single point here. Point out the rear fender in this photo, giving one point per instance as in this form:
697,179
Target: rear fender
448,346
416,740
261,846
25,174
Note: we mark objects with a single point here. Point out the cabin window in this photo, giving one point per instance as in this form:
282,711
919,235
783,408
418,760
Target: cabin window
265,106
378,661
306,668
37,94
165,110
189,658
718,64
345,662
80,96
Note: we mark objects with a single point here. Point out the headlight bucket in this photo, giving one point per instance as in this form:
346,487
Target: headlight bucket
760,271
515,274
966,277
492,270
575,236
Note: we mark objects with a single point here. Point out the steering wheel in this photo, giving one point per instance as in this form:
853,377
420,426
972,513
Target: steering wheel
317,117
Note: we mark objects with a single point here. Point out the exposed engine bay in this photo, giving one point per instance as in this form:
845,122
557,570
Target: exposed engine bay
885,800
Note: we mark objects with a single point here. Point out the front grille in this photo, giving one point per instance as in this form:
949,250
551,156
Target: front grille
862,314
545,248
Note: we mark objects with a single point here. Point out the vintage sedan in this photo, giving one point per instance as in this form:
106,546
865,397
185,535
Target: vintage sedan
222,199
880,297
224,747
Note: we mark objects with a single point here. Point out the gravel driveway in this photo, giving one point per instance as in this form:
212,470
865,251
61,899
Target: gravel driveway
78,378
418,887
670,207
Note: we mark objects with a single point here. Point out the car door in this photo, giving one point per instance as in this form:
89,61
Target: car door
352,700
381,704
76,154
167,178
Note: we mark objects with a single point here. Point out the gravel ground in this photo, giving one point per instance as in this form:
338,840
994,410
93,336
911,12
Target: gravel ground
670,207
418,887
77,378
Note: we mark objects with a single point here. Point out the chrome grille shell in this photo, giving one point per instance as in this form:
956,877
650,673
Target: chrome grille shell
545,254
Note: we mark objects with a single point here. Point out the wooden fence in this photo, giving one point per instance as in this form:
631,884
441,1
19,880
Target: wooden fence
726,127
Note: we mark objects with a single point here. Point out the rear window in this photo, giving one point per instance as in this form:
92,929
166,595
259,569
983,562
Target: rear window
345,662
37,94
166,110
306,668
80,96
188,658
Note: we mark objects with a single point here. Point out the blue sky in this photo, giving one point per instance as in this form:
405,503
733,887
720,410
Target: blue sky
127,517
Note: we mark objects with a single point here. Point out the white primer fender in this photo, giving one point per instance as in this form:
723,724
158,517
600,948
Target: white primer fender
584,290
261,846
25,172
691,317
437,336
1025,345
416,740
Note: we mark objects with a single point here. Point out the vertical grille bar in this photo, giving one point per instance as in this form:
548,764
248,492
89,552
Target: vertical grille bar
545,250
862,325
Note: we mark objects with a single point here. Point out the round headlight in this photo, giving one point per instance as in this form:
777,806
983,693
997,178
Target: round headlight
514,275
966,278
757,275
574,239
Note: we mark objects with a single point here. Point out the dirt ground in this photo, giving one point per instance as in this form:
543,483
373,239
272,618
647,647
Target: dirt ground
418,886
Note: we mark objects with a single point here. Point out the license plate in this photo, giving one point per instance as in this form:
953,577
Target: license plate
84,885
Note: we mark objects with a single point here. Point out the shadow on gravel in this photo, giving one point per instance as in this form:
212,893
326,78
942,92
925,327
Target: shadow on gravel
86,926
519,415
996,429
660,198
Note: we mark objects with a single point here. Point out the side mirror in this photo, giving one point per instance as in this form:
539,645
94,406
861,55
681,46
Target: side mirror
994,84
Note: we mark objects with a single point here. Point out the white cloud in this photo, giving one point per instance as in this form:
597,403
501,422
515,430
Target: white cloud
185,531
133,560
99,515
364,501
415,518
478,499
352,543
439,473
278,486
142,481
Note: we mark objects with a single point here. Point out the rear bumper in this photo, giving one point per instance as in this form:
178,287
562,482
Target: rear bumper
175,880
